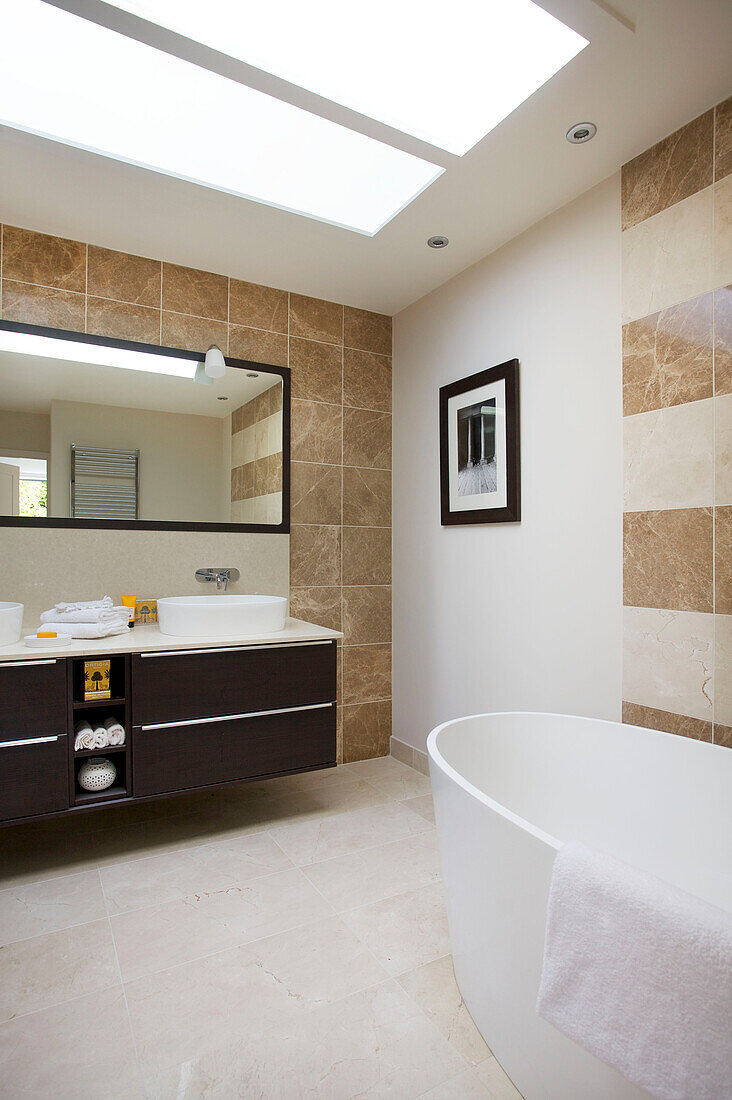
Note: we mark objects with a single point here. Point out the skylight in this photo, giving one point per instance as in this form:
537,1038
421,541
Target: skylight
445,71
90,87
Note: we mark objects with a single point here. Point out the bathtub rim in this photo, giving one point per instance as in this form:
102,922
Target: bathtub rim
439,760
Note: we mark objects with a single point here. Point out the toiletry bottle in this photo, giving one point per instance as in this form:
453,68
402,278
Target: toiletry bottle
130,602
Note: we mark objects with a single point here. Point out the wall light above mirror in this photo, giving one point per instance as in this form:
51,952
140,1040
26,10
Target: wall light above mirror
108,433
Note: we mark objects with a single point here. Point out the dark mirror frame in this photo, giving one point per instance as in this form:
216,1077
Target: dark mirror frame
165,525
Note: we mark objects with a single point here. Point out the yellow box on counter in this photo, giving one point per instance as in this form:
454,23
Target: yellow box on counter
96,680
146,611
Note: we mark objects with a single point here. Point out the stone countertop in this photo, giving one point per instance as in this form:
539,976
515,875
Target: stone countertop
143,639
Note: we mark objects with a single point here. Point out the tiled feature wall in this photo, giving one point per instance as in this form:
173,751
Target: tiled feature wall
677,420
340,358
256,459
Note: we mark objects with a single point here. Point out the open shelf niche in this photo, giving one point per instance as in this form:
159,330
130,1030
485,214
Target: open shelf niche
96,711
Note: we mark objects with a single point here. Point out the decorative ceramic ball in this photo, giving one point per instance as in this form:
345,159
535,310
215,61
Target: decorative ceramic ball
97,773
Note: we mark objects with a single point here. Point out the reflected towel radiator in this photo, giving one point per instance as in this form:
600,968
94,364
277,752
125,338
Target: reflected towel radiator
105,483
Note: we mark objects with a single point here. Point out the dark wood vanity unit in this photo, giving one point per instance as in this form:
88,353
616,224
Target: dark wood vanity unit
193,718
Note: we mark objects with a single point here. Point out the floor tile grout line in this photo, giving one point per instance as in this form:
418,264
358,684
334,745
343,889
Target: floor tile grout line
52,931
133,1037
58,1004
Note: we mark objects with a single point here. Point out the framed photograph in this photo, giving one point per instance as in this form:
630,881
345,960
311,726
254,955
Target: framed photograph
480,470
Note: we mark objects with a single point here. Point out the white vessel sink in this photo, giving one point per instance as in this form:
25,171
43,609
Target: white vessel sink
221,616
11,621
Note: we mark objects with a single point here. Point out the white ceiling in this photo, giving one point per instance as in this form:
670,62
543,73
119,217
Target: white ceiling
636,85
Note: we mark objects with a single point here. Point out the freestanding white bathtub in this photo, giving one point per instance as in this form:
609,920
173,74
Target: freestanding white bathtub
509,790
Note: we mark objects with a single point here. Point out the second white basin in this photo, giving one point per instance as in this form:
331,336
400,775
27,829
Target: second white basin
221,616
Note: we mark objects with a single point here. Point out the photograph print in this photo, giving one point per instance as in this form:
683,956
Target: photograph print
479,447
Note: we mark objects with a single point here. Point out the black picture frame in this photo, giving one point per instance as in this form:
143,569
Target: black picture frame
165,525
507,372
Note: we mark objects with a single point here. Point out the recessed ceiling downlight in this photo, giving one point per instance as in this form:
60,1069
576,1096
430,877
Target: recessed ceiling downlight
581,132
438,242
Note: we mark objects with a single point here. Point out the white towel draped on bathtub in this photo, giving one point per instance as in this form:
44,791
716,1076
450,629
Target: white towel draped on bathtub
640,974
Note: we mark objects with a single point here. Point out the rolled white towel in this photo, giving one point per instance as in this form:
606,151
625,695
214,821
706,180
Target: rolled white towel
101,737
82,605
84,737
90,630
115,731
84,615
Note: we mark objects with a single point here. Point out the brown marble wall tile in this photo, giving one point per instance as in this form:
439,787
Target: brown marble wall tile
187,290
723,560
366,673
122,320
316,493
367,331
257,306
317,371
636,715
723,340
722,736
243,417
124,277
667,357
367,555
366,497
317,605
366,380
366,731
193,333
723,139
366,438
258,346
316,319
242,482
42,305
669,171
667,559
366,615
315,556
39,258
316,431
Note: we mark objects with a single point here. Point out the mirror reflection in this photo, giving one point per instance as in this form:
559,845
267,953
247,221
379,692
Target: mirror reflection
90,432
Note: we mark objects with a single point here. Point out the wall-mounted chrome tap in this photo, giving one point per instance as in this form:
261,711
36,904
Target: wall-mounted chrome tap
221,576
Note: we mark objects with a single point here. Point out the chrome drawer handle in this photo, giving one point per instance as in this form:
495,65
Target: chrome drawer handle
233,717
22,663
233,648
28,741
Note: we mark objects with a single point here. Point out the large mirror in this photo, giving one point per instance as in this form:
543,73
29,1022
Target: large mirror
109,433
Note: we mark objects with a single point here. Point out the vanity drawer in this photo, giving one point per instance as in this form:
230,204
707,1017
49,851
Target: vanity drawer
34,776
198,754
171,687
32,698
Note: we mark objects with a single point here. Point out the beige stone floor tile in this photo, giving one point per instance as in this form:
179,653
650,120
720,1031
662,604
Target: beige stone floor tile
27,858
80,1050
466,1086
174,875
186,1012
374,873
156,938
380,767
49,906
284,784
148,838
312,841
422,805
498,1083
402,787
434,989
372,1044
320,802
405,931
46,970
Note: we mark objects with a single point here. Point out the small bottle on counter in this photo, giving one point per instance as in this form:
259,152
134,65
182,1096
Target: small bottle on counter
130,602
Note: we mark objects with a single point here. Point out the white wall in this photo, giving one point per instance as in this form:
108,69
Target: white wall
517,616
180,457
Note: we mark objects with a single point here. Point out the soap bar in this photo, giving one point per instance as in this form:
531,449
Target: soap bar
46,634
146,611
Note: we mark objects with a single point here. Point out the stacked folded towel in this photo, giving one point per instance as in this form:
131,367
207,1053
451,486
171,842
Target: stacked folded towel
109,732
87,619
